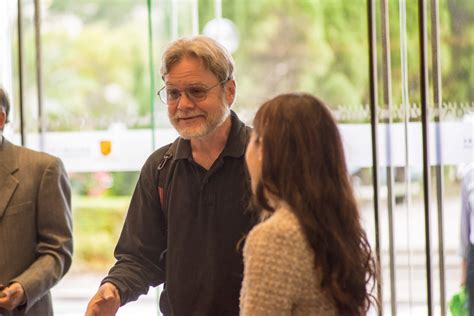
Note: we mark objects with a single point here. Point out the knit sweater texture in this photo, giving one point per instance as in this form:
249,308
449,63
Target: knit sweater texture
279,274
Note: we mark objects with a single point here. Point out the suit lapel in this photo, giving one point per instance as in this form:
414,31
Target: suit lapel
8,165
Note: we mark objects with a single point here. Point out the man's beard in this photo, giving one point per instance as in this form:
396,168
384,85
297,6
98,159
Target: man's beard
212,121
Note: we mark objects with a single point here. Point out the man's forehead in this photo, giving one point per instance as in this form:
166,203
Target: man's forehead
188,73
196,63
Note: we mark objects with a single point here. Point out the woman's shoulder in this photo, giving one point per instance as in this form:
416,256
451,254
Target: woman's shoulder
281,228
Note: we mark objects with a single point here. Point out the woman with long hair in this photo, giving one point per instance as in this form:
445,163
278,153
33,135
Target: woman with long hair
310,256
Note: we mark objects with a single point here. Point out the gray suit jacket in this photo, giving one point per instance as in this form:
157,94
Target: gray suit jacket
35,225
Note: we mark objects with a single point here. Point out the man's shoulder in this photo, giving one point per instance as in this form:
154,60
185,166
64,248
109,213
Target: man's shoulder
39,155
157,156
244,132
33,157
160,152
241,126
31,162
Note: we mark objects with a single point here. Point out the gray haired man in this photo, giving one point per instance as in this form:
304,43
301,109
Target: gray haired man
188,211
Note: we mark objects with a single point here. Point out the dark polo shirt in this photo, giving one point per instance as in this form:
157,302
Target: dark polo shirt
194,247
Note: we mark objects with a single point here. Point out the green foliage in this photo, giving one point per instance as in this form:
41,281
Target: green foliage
123,183
95,64
459,303
104,183
458,33
93,10
81,183
97,225
95,54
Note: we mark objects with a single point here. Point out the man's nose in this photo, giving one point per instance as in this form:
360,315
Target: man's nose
185,102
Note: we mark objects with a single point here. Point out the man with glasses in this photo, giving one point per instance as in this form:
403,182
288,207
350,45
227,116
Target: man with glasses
35,226
184,231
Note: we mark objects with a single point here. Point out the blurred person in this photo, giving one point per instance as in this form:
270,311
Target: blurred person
187,212
467,234
35,226
310,256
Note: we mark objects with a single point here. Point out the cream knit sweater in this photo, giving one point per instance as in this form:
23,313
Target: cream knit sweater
279,273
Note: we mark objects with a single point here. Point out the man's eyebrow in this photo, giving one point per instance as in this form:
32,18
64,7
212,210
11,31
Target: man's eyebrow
188,85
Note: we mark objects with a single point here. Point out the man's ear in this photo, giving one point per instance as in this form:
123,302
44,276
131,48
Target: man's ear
3,118
230,89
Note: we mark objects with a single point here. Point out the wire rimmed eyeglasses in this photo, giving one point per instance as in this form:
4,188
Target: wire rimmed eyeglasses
171,96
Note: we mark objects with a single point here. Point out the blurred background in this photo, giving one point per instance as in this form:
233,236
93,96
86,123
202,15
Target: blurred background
83,76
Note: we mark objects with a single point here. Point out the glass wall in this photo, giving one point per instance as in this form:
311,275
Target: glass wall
98,75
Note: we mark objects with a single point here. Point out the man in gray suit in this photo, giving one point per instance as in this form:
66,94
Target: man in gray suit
35,226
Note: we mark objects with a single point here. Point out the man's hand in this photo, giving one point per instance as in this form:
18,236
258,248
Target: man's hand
105,302
12,296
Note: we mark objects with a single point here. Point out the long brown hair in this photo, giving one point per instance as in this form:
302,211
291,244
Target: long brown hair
304,165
